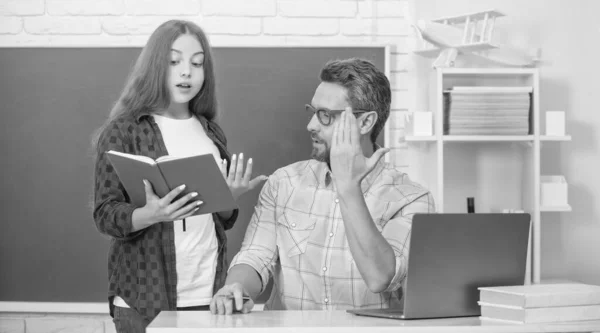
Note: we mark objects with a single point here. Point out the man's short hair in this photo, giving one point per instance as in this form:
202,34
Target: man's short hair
368,88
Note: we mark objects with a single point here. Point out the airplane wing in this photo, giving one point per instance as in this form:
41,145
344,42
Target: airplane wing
460,19
463,48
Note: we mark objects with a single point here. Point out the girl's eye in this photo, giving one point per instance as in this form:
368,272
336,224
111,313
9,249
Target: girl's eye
197,64
174,62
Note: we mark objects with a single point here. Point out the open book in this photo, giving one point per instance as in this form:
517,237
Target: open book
199,173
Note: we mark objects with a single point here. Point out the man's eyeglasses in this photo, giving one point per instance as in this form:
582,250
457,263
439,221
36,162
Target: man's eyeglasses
325,116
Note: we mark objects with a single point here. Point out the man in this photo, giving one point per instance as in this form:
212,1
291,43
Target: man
333,232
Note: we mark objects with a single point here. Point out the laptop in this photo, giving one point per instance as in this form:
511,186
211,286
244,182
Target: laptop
451,255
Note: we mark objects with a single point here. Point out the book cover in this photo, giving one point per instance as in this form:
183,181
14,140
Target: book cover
199,173
541,295
540,315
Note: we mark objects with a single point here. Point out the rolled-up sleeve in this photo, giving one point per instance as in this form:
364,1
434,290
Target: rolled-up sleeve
397,233
259,248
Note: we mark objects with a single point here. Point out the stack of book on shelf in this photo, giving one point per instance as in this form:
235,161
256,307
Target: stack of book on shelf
540,303
485,110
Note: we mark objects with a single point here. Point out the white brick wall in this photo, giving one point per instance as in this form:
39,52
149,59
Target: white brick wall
78,7
266,8
317,8
11,25
162,7
58,25
22,7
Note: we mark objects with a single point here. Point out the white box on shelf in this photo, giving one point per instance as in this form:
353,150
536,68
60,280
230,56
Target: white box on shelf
555,123
419,123
553,192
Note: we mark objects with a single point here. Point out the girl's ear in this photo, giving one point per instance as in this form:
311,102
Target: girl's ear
367,121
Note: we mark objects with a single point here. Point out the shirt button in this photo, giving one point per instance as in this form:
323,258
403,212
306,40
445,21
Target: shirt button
337,200
326,300
293,225
324,269
331,234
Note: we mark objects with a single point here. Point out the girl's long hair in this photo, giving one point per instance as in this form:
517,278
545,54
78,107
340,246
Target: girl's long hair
146,87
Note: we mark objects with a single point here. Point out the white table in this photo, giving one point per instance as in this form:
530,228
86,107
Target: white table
340,322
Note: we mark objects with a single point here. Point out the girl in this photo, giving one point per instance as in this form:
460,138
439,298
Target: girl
168,106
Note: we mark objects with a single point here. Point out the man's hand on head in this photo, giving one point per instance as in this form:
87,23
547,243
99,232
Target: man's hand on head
230,298
348,163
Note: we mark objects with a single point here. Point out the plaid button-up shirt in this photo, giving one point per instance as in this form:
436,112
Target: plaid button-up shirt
142,264
297,236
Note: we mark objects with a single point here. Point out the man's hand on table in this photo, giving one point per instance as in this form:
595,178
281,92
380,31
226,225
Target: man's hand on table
229,298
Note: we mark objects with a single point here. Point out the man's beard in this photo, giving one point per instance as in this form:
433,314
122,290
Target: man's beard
321,156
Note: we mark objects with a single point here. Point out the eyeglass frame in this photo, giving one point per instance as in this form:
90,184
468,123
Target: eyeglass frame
316,111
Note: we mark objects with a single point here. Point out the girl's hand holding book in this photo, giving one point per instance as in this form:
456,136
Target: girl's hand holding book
239,181
165,209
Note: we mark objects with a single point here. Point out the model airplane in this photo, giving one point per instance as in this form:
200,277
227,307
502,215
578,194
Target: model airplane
469,34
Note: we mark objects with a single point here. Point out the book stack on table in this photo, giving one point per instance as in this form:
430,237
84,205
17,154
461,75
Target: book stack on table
540,303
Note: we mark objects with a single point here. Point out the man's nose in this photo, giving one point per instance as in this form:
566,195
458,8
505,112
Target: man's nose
313,124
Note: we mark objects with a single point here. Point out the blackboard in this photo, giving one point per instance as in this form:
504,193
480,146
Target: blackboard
52,99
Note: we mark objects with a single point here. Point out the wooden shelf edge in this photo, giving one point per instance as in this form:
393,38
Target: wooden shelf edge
566,208
488,71
487,138
555,138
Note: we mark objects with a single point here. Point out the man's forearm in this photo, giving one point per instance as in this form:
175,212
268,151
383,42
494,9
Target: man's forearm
373,255
248,277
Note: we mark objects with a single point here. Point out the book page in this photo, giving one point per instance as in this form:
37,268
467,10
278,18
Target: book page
166,158
144,159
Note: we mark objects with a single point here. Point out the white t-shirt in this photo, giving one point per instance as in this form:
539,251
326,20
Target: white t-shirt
196,249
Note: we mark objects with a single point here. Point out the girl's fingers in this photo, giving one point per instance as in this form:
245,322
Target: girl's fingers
148,189
171,195
240,168
254,182
174,206
248,173
187,211
232,169
223,168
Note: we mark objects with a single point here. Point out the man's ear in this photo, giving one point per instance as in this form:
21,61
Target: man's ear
367,121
